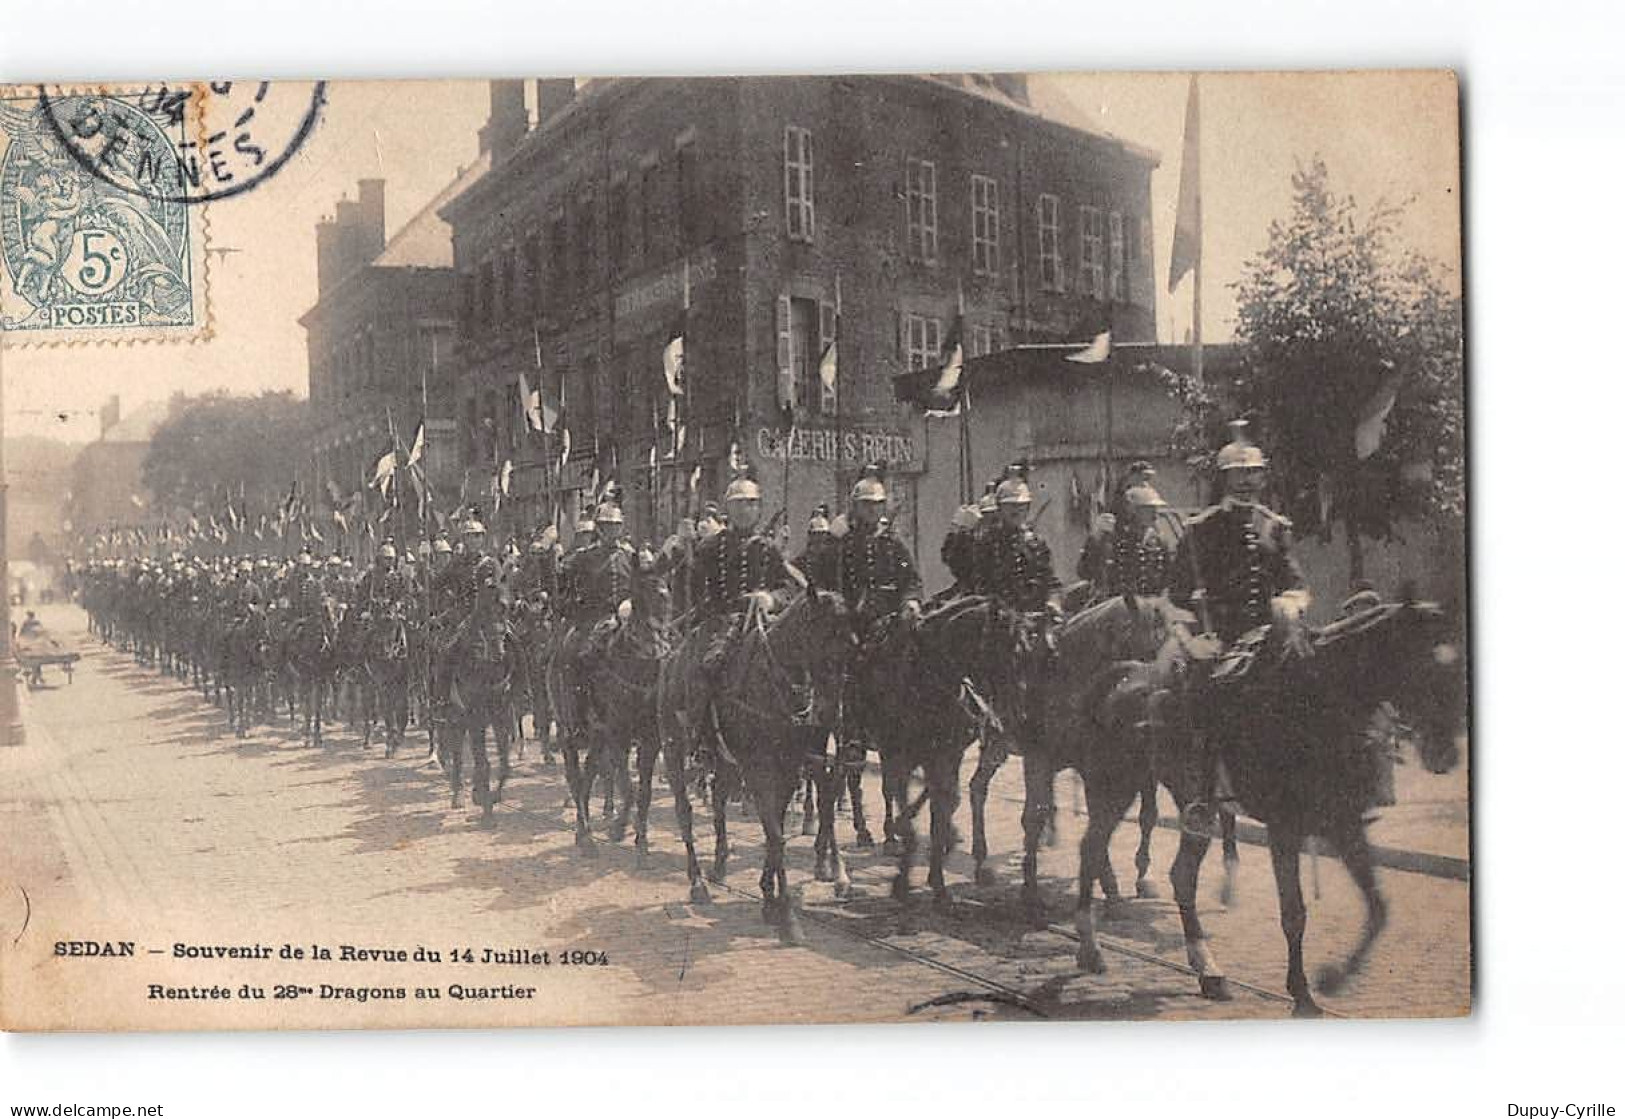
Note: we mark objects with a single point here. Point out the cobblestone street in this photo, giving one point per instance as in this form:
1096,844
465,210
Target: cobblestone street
141,818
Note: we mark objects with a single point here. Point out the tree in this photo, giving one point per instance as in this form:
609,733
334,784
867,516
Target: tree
217,448
1334,319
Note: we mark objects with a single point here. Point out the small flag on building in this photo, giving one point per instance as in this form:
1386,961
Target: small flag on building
671,359
383,472
1098,350
827,365
948,392
415,455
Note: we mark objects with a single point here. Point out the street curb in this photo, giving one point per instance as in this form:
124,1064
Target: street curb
1395,858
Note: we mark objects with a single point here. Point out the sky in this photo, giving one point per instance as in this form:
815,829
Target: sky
1383,135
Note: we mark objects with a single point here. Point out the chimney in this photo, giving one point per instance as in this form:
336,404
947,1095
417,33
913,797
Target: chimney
508,121
327,255
552,96
1013,86
371,218
347,217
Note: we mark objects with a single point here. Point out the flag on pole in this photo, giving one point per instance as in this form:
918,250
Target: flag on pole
1097,351
415,455
564,447
505,477
672,362
947,393
1186,254
530,402
1371,422
827,364
383,472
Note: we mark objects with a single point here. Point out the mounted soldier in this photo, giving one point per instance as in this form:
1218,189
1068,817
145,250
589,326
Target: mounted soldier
817,560
736,567
1130,550
383,584
603,582
878,577
1234,569
1014,565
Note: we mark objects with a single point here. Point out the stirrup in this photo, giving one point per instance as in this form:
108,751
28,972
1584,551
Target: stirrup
1199,817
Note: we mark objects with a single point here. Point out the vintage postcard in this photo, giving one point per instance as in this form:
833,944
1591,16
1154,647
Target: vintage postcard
732,550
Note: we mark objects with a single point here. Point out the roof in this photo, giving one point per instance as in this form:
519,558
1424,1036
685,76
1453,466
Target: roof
425,240
140,425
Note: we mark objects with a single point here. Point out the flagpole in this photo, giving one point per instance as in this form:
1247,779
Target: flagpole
423,400
965,482
840,403
1196,289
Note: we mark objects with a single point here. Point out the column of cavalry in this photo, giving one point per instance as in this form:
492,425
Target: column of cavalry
1180,659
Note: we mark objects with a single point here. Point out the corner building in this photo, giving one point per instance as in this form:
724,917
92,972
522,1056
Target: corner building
744,213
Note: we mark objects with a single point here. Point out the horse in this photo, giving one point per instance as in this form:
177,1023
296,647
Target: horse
309,654
924,694
388,649
781,676
1290,731
538,630
482,662
244,661
585,698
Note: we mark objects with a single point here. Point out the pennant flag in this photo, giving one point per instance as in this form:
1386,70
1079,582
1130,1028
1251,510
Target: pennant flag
1371,423
530,402
505,476
564,447
135,499
316,533
1098,350
694,480
827,365
340,520
384,471
948,391
1186,255
672,361
682,437
736,461
415,455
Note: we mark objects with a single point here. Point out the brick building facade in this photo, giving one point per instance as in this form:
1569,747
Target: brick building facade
737,212
382,341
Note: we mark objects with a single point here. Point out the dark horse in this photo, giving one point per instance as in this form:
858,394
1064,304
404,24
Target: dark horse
309,653
1290,731
923,694
606,699
482,663
609,703
388,644
782,675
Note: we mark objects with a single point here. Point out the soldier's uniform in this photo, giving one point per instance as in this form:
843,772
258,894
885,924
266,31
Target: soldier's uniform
1235,571
1014,565
1234,567
732,564
819,560
1130,558
878,576
959,552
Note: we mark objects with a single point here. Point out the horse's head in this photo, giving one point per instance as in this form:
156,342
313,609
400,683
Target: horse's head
1431,690
1411,655
651,594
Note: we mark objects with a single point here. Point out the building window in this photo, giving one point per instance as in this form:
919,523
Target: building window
1049,243
485,299
688,208
1091,253
922,341
920,191
558,247
984,225
649,213
586,240
533,271
617,228
984,340
798,183
1119,288
506,294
